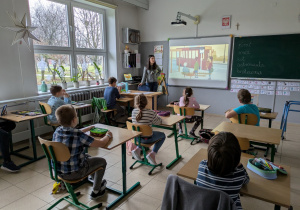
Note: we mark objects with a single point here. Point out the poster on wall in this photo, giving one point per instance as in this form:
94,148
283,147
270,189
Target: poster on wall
158,53
226,22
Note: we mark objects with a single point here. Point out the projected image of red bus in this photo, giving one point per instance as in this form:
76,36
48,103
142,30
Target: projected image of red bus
199,62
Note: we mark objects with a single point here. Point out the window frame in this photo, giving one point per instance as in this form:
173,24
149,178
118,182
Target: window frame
72,50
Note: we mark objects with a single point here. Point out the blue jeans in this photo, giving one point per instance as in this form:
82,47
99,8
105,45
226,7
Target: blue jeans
156,136
153,86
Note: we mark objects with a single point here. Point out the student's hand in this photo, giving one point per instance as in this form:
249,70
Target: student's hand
84,130
109,134
140,84
66,95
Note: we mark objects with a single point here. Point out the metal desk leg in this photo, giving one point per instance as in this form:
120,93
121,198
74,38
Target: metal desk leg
128,108
33,139
270,123
124,192
176,147
202,115
79,117
276,207
272,152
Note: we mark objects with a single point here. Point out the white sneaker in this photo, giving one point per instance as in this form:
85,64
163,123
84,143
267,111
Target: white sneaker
136,154
149,158
180,133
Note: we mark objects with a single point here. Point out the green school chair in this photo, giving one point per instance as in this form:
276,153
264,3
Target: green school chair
247,119
46,109
100,107
184,111
146,131
57,151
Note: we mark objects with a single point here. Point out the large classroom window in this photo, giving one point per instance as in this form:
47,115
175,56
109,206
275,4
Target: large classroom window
72,37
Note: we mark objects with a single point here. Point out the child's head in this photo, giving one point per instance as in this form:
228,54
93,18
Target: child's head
224,153
140,102
57,91
187,92
244,96
66,116
112,81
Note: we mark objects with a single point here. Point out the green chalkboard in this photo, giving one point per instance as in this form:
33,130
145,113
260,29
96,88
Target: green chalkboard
267,57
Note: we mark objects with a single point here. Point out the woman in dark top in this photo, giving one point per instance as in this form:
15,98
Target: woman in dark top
151,72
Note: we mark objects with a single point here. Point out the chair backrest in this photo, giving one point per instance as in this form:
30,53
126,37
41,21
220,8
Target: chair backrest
183,111
248,119
54,151
145,129
46,109
100,103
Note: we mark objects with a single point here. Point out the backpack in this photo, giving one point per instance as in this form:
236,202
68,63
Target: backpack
205,135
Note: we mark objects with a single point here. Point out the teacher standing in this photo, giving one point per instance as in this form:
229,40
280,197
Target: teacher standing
151,72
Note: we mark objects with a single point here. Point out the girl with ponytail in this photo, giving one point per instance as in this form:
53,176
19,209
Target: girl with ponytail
140,115
188,101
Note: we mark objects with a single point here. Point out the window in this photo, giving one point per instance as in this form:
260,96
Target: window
72,39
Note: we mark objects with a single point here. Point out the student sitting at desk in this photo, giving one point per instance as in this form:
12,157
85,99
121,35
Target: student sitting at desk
111,93
5,128
80,164
55,100
140,115
188,101
244,97
223,170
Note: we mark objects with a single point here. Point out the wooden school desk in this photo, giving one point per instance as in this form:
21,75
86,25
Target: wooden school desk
79,108
268,116
126,100
273,191
120,137
151,96
20,118
262,136
202,109
169,123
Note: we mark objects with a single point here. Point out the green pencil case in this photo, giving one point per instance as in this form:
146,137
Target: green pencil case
272,174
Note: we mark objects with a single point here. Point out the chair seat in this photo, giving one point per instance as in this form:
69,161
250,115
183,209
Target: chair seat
53,124
78,180
108,110
146,145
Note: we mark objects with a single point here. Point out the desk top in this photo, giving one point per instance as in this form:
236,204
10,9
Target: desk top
81,106
20,118
274,191
202,107
271,115
168,121
137,92
125,99
251,132
120,135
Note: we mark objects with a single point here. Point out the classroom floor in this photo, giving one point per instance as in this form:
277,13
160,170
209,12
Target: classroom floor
30,188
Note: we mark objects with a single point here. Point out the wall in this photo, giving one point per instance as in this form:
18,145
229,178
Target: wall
254,17
17,70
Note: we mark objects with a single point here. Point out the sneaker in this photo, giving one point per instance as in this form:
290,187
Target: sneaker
192,134
10,166
95,196
151,160
180,133
136,154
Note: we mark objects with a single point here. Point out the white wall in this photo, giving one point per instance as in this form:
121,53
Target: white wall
254,16
17,70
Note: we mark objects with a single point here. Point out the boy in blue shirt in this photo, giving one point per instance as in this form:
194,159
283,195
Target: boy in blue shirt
111,93
223,170
55,100
244,97
80,164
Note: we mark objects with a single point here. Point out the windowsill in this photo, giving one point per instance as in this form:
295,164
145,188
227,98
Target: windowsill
73,89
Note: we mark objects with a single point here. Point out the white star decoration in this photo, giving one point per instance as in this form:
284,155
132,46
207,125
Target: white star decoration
22,29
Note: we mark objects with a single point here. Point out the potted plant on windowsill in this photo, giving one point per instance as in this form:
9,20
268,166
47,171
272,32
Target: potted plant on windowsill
100,73
61,74
75,81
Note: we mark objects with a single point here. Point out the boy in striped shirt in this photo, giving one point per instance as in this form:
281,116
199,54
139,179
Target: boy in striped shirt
223,170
